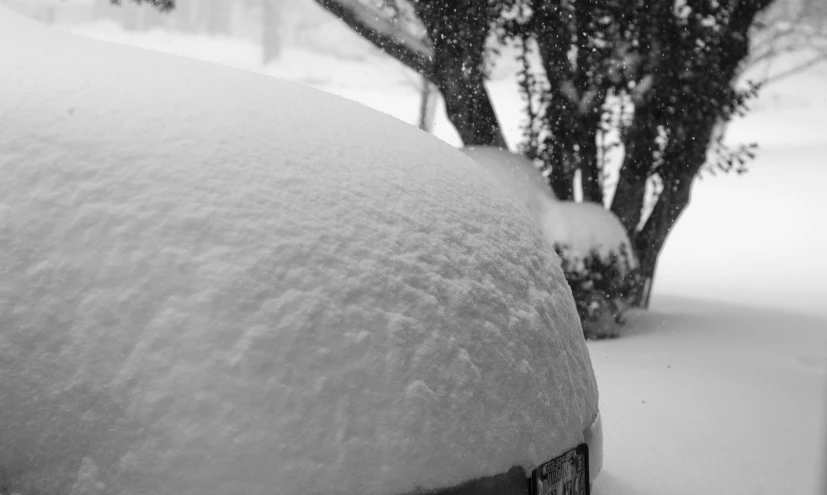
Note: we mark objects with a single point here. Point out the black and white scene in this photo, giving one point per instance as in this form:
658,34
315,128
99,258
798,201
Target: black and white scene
413,247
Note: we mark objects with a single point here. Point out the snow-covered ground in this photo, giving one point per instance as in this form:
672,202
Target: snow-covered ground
720,388
703,397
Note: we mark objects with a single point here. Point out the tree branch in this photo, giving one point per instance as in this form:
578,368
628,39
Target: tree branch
803,66
415,53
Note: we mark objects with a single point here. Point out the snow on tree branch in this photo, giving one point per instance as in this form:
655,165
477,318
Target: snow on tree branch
389,33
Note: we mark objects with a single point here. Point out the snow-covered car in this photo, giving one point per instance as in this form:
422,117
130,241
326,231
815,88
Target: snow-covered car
215,282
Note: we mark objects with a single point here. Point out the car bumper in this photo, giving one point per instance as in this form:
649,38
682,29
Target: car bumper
516,480
593,437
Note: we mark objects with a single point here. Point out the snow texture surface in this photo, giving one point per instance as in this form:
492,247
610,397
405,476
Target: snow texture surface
581,227
214,282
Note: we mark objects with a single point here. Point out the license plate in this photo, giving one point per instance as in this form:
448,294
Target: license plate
564,475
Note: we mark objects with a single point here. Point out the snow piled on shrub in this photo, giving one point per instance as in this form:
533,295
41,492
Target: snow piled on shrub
585,227
581,227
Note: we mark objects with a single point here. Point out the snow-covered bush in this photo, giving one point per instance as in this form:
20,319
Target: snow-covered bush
602,286
214,282
595,251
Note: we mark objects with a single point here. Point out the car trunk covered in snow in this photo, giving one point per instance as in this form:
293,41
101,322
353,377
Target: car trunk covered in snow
214,282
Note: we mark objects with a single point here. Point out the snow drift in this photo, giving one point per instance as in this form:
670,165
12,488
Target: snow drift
214,282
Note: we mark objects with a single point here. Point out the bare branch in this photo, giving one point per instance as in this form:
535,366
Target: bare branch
798,68
786,28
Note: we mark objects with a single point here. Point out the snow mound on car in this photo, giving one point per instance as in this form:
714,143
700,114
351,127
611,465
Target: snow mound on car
517,174
214,282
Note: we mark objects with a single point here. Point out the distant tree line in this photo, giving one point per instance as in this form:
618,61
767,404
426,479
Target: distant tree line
213,17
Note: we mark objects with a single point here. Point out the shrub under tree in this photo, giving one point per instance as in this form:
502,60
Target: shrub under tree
601,287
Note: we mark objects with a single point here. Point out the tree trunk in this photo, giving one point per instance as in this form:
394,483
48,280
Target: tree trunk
454,64
467,102
690,156
561,178
652,237
427,106
415,54
630,191
458,31
562,117
589,163
130,13
553,41
270,35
